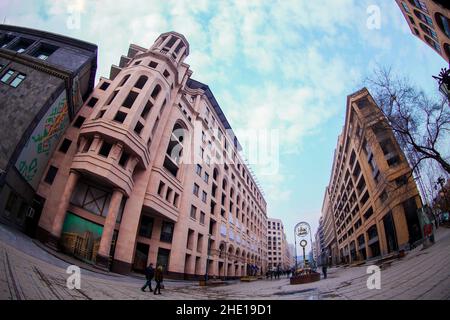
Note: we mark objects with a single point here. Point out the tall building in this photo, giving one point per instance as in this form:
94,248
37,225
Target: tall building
429,20
371,193
152,174
329,246
278,255
44,79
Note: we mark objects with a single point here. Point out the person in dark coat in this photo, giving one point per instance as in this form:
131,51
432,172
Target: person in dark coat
149,273
158,279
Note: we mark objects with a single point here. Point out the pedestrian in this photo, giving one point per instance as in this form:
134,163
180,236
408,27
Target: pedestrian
149,274
324,270
158,279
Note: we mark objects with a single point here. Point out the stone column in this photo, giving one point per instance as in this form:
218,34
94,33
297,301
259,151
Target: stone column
61,210
108,229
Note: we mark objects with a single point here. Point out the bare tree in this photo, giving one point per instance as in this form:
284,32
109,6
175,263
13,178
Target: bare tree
420,124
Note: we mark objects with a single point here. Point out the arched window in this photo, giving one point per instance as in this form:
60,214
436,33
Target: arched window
124,80
175,149
424,18
215,174
141,82
224,184
156,91
443,22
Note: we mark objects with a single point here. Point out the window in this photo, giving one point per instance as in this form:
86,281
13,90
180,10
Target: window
104,86
65,145
202,217
44,51
198,169
156,91
141,82
105,149
147,109
112,97
79,122
124,159
383,196
193,212
161,188
7,76
128,103
92,102
168,194
51,174
166,74
120,116
393,161
204,196
146,227
22,45
5,40
167,232
138,128
401,181
125,79
206,177
405,7
176,197
195,189
153,64
17,80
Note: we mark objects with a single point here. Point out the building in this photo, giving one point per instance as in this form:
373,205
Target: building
278,247
44,79
153,174
293,254
329,245
371,193
429,20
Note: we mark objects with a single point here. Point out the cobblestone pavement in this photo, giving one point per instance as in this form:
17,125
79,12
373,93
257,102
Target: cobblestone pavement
29,272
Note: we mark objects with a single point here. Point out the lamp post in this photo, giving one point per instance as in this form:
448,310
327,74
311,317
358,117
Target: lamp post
444,82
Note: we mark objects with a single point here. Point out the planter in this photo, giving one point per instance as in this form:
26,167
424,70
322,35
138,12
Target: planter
305,278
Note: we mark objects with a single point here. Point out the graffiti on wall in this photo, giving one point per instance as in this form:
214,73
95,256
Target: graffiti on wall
35,155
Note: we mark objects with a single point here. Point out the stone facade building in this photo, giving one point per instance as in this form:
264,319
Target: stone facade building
429,20
44,79
371,193
153,174
329,245
278,248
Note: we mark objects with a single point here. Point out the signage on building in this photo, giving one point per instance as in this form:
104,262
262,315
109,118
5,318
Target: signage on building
37,151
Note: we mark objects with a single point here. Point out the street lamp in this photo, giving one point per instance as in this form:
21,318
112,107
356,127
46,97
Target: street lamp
444,82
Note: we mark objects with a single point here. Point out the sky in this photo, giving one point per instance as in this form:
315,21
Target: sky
282,66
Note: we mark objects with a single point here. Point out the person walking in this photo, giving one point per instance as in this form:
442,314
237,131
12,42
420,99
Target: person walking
158,279
324,270
149,274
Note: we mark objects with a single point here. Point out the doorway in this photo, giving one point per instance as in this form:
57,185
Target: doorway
141,257
163,259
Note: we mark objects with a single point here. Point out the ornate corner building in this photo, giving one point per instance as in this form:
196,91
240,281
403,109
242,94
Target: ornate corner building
370,205
429,20
151,173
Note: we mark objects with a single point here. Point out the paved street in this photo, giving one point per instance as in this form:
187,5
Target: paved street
29,272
